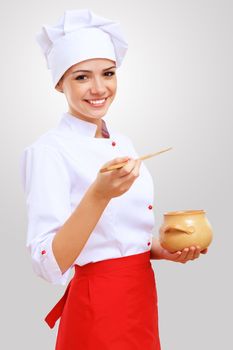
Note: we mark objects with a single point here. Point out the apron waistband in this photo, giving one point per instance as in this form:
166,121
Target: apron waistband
108,265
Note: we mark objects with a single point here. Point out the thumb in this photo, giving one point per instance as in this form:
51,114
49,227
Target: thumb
116,161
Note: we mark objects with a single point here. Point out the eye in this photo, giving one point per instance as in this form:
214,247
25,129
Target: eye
80,77
109,74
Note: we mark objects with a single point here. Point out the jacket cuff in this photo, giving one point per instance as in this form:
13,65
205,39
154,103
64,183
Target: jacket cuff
46,266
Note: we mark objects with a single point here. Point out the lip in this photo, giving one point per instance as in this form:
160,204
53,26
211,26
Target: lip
99,105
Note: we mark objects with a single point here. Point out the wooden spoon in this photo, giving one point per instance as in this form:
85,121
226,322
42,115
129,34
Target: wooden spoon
120,165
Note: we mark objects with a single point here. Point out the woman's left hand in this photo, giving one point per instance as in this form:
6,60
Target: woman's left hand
183,256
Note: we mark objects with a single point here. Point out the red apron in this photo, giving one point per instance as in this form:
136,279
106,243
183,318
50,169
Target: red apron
109,305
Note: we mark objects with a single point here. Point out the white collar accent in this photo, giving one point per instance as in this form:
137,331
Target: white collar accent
78,125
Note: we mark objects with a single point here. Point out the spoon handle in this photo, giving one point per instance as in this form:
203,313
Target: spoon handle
120,165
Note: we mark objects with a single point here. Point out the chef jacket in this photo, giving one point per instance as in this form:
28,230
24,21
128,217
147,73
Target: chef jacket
56,171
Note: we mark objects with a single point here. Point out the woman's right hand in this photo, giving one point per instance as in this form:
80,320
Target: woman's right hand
118,181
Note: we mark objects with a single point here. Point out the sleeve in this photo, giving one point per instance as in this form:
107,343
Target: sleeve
46,184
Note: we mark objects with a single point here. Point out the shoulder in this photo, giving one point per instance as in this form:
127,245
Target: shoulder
49,139
47,145
44,150
42,160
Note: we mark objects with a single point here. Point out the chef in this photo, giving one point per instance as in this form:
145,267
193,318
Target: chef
97,224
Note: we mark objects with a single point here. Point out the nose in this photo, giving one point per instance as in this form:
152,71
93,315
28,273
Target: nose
98,87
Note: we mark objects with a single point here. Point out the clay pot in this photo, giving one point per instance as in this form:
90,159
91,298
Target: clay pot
183,229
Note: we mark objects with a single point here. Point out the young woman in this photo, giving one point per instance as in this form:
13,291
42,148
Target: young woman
98,223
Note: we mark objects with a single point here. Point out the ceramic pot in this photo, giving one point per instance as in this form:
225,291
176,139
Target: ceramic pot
183,229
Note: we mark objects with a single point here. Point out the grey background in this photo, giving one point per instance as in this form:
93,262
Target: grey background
174,89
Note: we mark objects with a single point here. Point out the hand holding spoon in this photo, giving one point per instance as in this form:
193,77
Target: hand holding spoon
120,165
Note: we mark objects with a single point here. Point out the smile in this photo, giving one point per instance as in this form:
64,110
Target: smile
97,103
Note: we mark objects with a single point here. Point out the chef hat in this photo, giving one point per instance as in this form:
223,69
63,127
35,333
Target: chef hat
80,35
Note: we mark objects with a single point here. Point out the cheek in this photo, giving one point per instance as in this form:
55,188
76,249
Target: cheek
76,93
113,86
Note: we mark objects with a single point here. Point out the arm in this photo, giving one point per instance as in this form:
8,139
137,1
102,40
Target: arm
56,234
72,236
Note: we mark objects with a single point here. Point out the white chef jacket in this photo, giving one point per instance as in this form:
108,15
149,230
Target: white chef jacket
56,171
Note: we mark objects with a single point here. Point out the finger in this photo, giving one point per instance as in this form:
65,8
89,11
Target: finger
183,255
196,253
138,166
127,168
174,256
116,161
128,180
132,176
136,170
204,251
191,254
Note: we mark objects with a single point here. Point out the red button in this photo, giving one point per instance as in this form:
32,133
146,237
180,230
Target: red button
150,207
113,143
43,252
148,243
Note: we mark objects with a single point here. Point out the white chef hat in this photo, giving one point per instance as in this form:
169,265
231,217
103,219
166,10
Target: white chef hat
80,35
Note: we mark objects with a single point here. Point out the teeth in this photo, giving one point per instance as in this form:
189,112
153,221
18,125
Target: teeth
94,102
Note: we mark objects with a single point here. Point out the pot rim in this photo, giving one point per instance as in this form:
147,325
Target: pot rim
185,212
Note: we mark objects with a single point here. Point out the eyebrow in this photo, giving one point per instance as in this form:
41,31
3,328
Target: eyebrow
89,71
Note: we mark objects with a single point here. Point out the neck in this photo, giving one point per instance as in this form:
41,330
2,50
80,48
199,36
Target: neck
98,133
99,123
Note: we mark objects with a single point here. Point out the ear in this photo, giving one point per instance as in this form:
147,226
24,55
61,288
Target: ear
59,87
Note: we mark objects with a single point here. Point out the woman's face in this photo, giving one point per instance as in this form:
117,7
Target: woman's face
90,87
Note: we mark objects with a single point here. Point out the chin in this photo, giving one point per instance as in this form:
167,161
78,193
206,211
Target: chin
98,114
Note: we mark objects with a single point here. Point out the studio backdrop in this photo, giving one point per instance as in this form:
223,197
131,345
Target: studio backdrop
175,89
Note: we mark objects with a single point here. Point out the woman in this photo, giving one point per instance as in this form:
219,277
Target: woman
99,223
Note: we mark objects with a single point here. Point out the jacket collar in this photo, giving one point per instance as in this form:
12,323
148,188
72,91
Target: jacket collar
83,127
